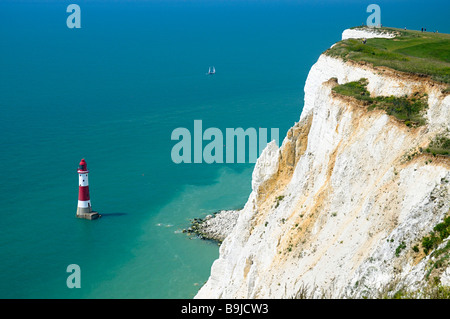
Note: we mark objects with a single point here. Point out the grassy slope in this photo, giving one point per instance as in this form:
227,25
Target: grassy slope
411,51
406,108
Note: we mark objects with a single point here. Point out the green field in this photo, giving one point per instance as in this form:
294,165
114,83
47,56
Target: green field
423,53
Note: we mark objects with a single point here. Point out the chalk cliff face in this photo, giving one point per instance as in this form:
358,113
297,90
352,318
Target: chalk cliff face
331,206
365,33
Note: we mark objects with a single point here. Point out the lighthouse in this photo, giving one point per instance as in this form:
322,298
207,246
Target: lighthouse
84,209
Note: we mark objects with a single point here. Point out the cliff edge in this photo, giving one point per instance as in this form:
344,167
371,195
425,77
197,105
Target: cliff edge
342,207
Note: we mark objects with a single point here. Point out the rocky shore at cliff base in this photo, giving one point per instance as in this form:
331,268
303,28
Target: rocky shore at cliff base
214,226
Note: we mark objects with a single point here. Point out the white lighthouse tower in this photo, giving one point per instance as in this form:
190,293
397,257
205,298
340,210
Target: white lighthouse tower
84,209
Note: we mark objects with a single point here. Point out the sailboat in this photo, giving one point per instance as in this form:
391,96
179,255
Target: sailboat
211,70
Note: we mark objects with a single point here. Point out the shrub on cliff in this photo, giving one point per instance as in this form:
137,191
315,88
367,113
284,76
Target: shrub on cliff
440,232
439,145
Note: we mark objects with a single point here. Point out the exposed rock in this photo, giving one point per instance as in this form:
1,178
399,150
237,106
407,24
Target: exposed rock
366,32
216,226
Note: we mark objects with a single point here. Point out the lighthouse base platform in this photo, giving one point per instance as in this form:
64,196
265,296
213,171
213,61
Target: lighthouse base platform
91,215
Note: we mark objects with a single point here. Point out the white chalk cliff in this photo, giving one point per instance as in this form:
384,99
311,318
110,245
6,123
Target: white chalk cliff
365,33
330,207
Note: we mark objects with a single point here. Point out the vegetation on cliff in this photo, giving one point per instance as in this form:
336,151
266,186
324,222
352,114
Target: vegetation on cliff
406,108
421,53
439,145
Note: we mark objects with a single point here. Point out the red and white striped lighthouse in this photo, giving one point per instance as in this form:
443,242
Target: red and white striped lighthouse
84,209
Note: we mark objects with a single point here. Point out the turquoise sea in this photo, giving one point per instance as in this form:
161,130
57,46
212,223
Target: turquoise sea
112,92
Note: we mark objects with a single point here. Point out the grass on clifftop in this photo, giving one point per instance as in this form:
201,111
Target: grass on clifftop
423,53
406,108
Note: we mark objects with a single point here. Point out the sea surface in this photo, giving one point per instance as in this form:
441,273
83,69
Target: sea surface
112,92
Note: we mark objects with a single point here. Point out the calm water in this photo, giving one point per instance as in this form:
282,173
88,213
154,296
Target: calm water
112,92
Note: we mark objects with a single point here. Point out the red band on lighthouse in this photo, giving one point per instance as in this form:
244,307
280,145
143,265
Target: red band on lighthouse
83,193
